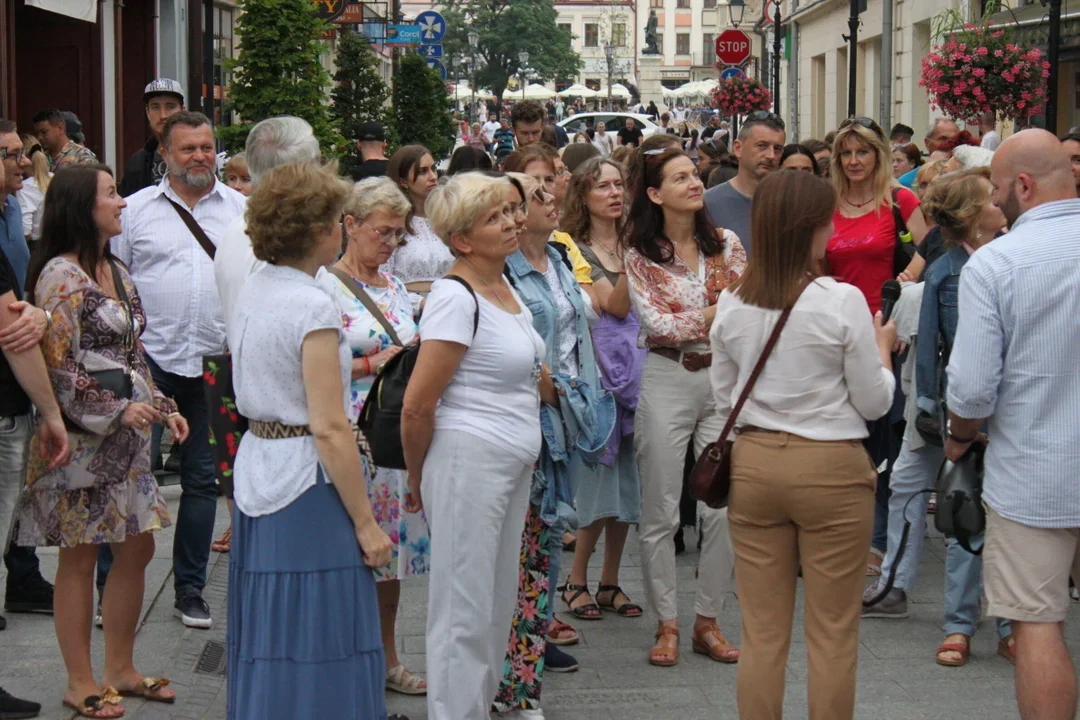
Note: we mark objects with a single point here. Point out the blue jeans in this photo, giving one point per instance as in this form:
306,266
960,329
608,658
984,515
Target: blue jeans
198,499
21,562
555,553
963,588
914,471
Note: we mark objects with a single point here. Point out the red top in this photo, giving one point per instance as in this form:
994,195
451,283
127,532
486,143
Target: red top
861,250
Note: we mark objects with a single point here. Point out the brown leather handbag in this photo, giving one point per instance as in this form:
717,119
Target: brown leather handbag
710,480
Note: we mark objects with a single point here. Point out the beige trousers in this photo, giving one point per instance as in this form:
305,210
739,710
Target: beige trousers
676,405
793,500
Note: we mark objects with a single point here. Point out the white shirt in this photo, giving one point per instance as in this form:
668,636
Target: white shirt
32,201
990,140
1014,361
277,308
234,263
824,379
422,257
604,143
493,394
489,129
174,274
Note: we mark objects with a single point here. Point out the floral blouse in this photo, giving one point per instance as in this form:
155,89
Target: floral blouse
85,336
366,335
670,299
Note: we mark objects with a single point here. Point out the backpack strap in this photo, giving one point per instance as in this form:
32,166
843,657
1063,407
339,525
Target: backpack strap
898,219
564,253
476,315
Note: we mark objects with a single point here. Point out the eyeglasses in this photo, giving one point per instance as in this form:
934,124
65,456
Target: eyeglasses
765,116
388,236
16,155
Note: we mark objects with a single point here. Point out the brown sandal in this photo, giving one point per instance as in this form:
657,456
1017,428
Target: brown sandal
1007,649
722,651
660,655
149,689
963,648
94,705
224,543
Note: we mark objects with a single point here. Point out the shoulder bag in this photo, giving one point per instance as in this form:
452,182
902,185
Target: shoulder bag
710,480
117,381
380,420
902,251
194,227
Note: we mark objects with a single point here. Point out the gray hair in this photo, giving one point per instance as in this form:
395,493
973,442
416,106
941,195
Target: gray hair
938,121
279,141
371,195
970,156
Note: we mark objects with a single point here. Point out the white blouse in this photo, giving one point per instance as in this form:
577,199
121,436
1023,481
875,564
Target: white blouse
277,308
824,379
423,257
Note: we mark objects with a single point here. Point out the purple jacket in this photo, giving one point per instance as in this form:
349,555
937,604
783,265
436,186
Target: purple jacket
621,361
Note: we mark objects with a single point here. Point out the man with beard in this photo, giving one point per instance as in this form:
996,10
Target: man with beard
1013,366
758,148
174,271
163,97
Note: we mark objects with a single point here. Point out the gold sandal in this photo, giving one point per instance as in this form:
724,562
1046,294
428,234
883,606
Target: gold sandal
148,688
722,651
94,705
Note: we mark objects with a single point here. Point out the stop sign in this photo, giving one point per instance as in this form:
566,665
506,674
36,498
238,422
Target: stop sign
733,47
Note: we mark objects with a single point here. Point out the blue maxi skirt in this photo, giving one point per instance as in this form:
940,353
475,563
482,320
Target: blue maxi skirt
304,640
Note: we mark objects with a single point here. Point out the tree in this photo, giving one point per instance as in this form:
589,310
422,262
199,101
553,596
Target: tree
423,107
278,70
360,96
505,29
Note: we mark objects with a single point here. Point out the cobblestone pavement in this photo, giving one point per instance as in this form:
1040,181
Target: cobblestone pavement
898,679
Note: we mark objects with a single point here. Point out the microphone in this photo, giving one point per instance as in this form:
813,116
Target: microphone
890,293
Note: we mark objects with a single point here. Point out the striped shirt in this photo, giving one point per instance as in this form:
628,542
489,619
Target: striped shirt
174,275
1016,361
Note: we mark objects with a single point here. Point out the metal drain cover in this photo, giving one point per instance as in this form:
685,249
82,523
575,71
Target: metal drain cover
212,658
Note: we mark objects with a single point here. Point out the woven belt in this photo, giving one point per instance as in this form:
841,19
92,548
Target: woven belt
692,361
276,430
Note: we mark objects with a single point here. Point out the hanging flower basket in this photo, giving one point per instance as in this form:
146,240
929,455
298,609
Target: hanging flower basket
976,69
737,96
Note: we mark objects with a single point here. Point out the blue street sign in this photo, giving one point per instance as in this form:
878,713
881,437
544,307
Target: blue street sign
431,51
438,67
432,27
732,72
402,34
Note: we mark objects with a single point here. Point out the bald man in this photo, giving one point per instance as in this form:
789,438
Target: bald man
1013,368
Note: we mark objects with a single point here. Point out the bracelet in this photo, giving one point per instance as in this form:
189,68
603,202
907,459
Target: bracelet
367,366
172,415
962,441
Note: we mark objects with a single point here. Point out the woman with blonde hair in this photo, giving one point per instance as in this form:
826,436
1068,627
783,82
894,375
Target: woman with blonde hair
375,212
304,635
471,436
32,196
863,252
802,486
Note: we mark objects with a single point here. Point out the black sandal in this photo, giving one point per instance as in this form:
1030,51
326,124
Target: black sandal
627,609
589,611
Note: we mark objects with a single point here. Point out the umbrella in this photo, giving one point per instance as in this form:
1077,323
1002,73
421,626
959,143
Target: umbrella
620,90
464,92
578,91
536,92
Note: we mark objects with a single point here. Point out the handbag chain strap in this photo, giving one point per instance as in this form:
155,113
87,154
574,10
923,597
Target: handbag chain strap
121,292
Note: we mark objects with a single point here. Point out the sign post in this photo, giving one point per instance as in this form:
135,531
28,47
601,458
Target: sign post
432,27
733,47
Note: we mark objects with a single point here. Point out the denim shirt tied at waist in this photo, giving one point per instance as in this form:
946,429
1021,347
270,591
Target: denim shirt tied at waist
938,320
576,433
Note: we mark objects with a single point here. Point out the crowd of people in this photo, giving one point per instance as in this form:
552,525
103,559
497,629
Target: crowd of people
568,330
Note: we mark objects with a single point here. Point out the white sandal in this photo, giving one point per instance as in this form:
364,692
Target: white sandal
400,680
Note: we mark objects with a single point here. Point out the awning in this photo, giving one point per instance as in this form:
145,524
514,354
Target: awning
78,9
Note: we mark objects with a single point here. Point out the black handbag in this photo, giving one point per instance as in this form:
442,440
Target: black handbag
960,513
119,381
903,252
380,420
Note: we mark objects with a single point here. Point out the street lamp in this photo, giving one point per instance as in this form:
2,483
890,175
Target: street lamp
523,58
777,27
474,42
735,10
609,53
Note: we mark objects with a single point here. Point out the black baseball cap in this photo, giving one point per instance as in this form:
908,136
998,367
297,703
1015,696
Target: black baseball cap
163,86
371,132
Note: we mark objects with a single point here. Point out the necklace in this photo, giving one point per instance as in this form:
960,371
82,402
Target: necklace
852,203
537,370
609,250
356,276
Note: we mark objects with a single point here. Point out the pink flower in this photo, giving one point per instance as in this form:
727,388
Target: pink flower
998,53
982,51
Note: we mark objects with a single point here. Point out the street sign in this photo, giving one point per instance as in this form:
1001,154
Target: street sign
732,72
733,47
432,27
437,67
351,14
431,51
329,9
402,34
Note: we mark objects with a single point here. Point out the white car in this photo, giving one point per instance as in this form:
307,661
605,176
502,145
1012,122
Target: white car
613,123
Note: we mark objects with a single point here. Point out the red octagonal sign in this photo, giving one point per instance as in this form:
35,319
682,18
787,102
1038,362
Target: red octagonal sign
733,47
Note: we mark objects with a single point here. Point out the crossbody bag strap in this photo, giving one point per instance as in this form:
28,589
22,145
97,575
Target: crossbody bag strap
367,302
194,227
773,338
121,291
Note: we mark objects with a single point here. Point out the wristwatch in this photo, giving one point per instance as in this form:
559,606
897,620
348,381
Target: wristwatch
962,441
48,318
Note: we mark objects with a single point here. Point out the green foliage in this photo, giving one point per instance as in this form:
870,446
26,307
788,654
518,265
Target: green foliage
423,107
506,28
278,70
359,96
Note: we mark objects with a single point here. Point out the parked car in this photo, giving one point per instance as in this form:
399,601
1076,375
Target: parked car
613,122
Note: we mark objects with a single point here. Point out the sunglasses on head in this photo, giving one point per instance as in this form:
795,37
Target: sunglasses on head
760,115
866,123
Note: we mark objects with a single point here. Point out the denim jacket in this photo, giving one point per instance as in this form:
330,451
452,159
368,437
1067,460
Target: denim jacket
577,433
938,319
